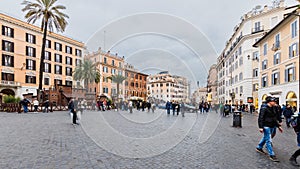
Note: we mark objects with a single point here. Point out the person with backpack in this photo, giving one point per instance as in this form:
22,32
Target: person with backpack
267,122
295,122
288,113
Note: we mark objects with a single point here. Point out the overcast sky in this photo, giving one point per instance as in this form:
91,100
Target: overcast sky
183,29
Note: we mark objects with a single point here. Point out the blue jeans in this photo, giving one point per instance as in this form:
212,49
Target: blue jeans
266,139
25,108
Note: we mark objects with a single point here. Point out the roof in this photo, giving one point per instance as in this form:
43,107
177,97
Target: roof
289,16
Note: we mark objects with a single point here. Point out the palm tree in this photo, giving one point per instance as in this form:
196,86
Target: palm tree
117,79
88,72
51,17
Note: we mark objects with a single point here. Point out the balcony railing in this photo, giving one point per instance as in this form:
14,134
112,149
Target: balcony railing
9,83
276,46
257,29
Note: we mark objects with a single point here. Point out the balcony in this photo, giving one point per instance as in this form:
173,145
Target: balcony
9,83
257,29
276,46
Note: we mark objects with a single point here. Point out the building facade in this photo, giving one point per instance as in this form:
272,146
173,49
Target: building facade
212,85
135,83
200,95
237,66
166,87
279,62
109,64
20,52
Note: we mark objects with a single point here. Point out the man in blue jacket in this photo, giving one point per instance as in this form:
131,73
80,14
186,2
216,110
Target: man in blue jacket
267,122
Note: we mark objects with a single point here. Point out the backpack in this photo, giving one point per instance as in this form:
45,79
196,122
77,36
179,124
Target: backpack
294,122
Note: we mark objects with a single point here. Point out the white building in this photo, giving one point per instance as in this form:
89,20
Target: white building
238,63
166,87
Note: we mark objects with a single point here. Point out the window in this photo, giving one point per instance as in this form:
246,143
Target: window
47,55
58,58
105,90
30,79
264,64
241,89
69,83
30,64
57,82
7,76
293,50
105,69
7,60
30,38
120,65
113,71
47,67
255,72
255,55
265,49
78,52
68,49
257,26
58,69
120,72
294,28
276,59
7,46
113,62
78,62
30,51
68,60
46,81
7,31
290,74
275,78
236,78
264,81
240,76
68,71
236,65
241,61
240,50
105,60
277,41
58,46
48,43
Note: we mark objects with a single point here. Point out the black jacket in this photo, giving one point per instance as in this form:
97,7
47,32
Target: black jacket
267,117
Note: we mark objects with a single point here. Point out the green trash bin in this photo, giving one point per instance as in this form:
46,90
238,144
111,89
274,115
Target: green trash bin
237,119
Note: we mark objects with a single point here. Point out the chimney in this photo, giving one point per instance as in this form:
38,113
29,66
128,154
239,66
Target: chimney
266,8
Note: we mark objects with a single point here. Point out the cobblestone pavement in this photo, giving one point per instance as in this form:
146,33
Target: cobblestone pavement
138,140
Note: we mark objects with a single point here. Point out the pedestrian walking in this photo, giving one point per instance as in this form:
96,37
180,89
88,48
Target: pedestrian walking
267,121
71,106
25,103
35,105
168,107
287,113
296,126
130,106
46,105
173,107
177,108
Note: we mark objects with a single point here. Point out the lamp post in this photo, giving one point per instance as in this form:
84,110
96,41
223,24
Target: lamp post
60,91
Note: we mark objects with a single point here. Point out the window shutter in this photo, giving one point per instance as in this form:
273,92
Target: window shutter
49,68
294,74
26,50
34,68
285,75
12,61
266,81
12,46
290,51
34,39
71,61
272,79
34,52
3,60
26,37
274,59
297,49
12,33
3,30
60,58
26,63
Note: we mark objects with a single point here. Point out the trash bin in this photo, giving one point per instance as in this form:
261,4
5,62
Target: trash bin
237,119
